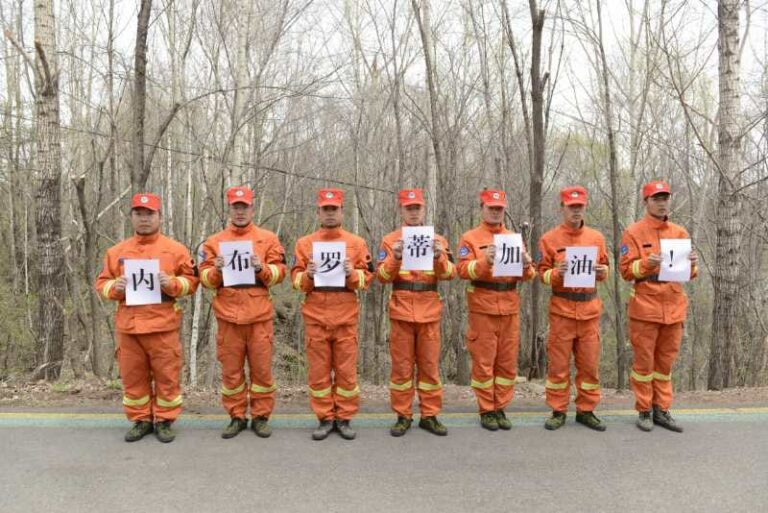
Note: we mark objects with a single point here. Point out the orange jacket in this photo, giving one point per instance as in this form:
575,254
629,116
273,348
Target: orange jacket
651,300
244,305
473,266
552,250
175,261
334,308
410,305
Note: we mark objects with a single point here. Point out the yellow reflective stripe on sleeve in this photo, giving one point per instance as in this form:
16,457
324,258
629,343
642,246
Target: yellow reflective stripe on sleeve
658,376
343,392
471,269
430,387
107,288
548,277
481,384
274,272
297,281
556,386
400,388
184,283
257,389
643,378
504,381
404,273
384,274
448,271
429,273
169,404
141,401
590,386
360,279
636,269
232,391
320,393
205,278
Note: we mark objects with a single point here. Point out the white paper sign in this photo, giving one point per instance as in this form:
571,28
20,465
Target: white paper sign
237,268
509,254
143,287
581,267
329,258
675,260
418,249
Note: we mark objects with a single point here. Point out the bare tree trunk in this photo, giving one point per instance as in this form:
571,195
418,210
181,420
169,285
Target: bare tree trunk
50,268
138,177
728,219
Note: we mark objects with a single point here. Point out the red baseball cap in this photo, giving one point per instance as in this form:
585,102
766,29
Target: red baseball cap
146,200
330,197
573,195
655,187
493,198
240,194
411,197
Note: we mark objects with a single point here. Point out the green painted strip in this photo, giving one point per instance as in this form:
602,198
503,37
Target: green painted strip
372,420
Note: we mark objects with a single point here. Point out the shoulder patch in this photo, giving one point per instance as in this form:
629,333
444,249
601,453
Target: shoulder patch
201,255
382,254
624,249
463,252
293,261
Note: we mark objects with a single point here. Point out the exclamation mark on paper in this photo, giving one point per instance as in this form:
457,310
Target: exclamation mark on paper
671,257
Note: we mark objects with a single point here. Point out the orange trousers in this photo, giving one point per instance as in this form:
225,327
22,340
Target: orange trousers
415,343
146,358
236,343
332,357
493,342
582,339
655,347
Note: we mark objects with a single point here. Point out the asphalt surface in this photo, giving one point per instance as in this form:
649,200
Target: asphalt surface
72,463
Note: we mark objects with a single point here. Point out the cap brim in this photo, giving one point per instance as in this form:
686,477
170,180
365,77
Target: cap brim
148,207
329,203
495,203
574,202
239,200
408,203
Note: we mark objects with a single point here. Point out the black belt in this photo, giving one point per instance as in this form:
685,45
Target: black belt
331,289
258,284
575,296
651,277
414,286
492,285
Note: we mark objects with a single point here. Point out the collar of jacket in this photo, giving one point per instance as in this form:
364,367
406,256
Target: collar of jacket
147,239
656,223
493,228
330,233
240,230
572,231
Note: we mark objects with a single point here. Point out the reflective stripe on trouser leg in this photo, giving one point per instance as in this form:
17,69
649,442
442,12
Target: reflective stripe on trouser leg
505,366
586,352
318,346
346,393
259,355
134,374
402,351
482,343
643,336
429,387
667,349
165,361
231,343
562,332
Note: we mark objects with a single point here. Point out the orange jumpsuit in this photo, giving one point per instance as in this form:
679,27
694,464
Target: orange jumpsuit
493,337
574,322
414,314
656,312
330,325
244,315
148,345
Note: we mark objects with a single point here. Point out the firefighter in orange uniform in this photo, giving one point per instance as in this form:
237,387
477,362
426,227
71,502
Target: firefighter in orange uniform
330,319
493,336
574,315
148,346
244,314
414,314
656,309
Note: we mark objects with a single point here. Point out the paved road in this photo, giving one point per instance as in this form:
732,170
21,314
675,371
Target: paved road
73,463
